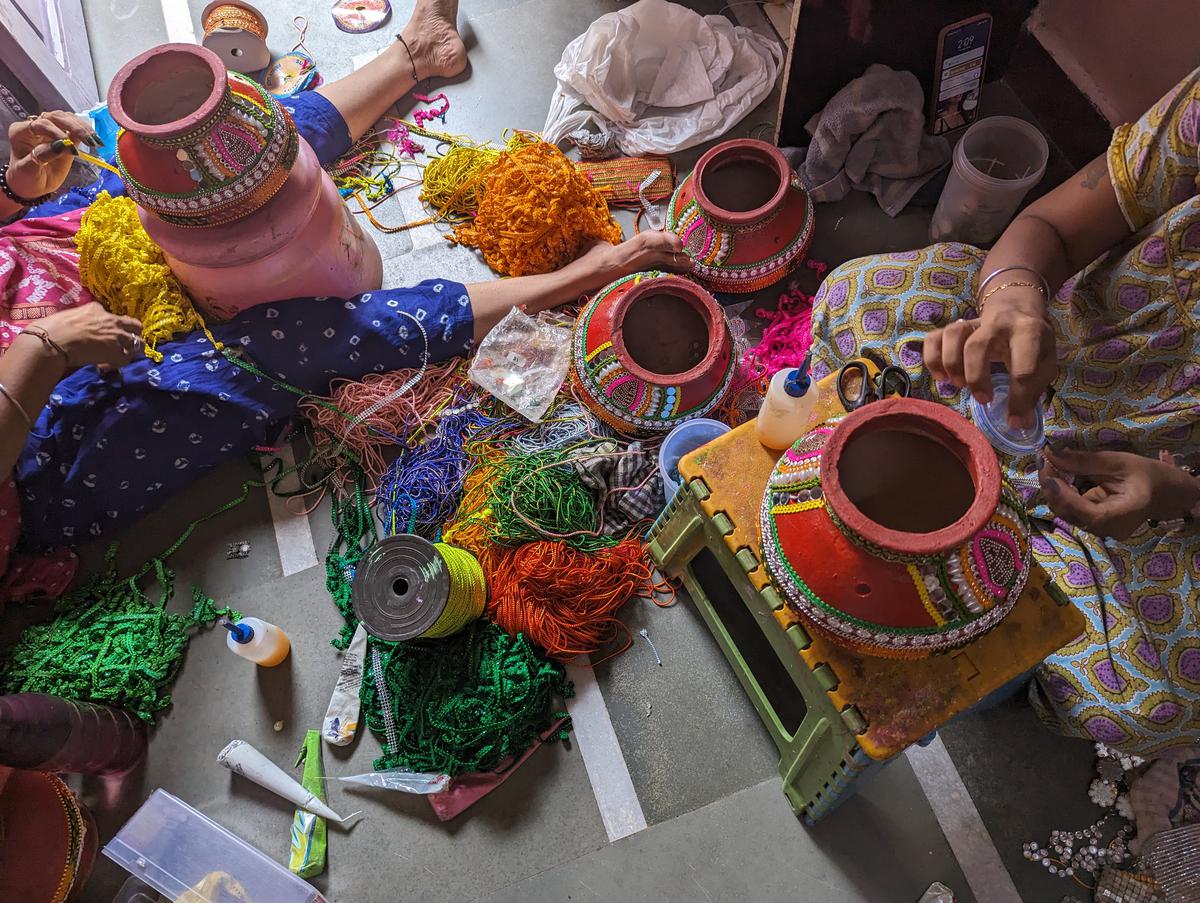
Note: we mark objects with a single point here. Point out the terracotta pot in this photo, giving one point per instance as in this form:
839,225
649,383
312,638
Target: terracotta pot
892,531
742,216
227,188
651,351
49,843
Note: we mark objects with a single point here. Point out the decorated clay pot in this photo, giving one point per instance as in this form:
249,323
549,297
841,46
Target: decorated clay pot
651,351
892,531
742,216
231,193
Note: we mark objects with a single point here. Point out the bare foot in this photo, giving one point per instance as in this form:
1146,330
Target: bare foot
644,251
432,36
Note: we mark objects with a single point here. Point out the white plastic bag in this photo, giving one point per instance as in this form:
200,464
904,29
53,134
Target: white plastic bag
661,78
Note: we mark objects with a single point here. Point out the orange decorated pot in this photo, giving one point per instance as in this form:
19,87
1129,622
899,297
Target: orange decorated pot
742,216
650,351
892,531
227,188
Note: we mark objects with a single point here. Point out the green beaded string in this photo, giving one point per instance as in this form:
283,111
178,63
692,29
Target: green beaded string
110,643
464,703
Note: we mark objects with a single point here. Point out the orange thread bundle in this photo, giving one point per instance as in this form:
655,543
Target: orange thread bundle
537,212
563,599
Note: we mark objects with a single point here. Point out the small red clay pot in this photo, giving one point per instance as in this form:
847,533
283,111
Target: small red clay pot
231,193
742,216
892,531
650,351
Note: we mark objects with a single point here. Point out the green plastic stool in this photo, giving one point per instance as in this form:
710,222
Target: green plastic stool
819,759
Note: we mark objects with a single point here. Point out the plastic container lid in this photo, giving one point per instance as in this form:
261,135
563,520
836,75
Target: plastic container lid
176,849
683,440
992,418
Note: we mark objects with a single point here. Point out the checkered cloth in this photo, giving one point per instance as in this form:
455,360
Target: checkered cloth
605,468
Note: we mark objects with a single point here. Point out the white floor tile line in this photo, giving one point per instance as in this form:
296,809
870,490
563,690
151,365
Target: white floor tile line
178,18
960,822
293,535
620,809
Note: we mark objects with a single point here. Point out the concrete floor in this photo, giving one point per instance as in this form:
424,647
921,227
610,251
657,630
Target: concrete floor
708,821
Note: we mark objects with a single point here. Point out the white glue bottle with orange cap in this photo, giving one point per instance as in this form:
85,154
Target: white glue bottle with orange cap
255,639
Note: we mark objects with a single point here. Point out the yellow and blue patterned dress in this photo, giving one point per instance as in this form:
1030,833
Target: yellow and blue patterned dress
1129,379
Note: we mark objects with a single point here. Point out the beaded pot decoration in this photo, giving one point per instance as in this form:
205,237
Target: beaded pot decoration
200,147
742,216
650,351
891,530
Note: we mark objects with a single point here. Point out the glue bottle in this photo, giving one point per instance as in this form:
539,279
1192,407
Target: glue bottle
255,639
786,410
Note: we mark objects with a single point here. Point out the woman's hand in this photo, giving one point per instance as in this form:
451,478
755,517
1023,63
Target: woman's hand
88,334
34,169
1013,330
1127,490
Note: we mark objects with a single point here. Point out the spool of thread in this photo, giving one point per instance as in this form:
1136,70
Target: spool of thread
237,33
407,587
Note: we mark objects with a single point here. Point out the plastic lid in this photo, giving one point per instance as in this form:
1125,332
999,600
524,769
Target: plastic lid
177,851
797,383
241,633
992,418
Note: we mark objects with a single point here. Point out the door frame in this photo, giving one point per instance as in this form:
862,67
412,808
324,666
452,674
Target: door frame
59,76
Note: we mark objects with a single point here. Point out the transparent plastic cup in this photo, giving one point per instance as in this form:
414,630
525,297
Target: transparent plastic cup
996,162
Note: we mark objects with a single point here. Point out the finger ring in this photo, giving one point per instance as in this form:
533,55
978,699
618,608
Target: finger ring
137,339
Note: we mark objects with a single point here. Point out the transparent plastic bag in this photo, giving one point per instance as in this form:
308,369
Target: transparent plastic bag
523,363
399,779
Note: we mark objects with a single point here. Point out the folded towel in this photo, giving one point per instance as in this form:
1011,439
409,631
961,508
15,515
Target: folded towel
871,136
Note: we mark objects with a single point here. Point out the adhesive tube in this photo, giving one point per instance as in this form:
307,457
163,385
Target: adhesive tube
242,758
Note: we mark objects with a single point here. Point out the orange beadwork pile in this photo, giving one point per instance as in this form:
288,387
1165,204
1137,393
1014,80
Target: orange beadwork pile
537,212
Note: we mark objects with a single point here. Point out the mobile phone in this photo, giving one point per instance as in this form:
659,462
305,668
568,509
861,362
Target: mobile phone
958,74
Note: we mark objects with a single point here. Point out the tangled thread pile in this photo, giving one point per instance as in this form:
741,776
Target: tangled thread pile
563,599
537,211
125,271
108,642
468,702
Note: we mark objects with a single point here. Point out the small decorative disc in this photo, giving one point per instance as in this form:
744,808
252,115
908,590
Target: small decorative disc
360,16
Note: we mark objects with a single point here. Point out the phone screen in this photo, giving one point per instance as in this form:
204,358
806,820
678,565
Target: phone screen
962,56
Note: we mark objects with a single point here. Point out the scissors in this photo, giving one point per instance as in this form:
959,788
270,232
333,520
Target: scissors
889,381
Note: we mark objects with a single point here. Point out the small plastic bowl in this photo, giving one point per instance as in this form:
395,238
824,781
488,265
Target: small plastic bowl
684,439
992,418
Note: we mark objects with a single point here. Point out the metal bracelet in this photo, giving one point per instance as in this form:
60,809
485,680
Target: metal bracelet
1008,269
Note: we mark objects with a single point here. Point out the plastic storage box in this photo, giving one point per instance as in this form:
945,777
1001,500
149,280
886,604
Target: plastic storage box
178,851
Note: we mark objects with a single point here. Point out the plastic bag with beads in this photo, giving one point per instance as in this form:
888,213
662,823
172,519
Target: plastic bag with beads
523,363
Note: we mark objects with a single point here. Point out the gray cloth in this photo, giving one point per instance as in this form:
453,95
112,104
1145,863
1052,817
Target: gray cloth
871,136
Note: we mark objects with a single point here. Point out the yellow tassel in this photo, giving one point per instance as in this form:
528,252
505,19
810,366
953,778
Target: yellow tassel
125,271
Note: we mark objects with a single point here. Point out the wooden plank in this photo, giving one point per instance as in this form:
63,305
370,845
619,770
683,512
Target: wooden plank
66,83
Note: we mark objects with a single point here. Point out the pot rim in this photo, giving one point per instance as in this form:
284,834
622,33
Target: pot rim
179,126
741,149
701,301
939,423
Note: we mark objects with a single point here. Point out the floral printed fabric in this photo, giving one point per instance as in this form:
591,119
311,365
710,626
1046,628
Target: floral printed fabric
1129,368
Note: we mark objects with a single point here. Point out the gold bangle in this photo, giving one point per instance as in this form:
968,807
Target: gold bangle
16,404
1014,284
